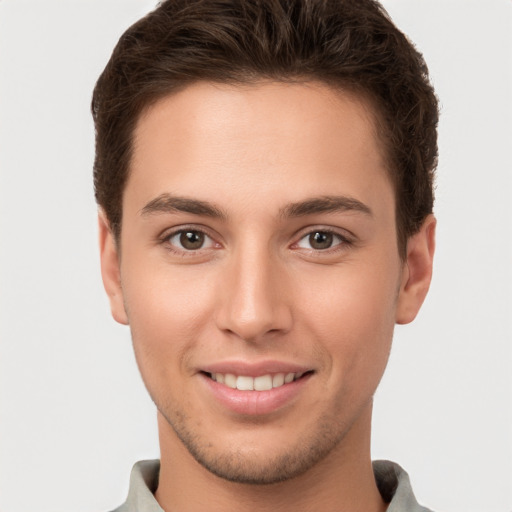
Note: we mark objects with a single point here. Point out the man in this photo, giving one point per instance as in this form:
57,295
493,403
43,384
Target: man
264,175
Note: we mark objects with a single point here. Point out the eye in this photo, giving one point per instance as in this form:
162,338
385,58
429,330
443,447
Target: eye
190,240
320,240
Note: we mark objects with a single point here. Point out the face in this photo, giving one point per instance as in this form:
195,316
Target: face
259,273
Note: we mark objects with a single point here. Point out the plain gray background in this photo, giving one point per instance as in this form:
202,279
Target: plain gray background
74,415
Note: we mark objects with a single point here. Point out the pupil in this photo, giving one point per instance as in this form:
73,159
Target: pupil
192,240
320,240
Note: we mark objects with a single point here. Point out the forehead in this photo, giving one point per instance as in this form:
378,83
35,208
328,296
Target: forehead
217,140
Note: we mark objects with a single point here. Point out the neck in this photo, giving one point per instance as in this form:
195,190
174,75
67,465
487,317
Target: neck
342,481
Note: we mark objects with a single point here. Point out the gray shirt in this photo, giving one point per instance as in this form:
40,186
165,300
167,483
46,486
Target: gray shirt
392,481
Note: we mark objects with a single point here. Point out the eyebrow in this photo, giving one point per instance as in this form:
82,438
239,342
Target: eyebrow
167,203
325,204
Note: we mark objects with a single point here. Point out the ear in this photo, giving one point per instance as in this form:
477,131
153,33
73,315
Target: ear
417,272
110,270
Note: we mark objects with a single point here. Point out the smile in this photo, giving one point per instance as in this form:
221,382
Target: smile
248,390
260,383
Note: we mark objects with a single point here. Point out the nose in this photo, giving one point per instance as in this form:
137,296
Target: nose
252,302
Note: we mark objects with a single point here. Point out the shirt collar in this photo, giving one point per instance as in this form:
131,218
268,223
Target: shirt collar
392,481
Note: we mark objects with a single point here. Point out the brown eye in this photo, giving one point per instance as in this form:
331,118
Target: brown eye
190,240
320,240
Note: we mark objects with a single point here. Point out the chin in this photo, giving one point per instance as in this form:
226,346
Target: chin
252,460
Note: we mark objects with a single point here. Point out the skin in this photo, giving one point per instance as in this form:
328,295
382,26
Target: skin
261,289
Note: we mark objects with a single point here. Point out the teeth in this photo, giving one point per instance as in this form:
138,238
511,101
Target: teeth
244,383
229,380
261,383
278,380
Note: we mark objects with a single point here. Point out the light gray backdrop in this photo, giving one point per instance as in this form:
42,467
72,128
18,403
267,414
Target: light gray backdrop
74,415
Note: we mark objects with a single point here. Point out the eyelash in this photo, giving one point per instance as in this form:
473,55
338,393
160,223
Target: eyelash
165,240
344,242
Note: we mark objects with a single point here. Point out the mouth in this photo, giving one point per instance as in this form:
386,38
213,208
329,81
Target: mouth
255,388
265,382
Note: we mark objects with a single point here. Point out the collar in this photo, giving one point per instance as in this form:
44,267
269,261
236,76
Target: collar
392,481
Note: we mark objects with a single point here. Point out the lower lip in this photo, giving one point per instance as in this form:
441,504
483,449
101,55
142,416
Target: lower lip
254,403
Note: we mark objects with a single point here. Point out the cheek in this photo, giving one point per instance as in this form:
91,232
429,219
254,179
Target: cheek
167,308
158,293
355,297
353,323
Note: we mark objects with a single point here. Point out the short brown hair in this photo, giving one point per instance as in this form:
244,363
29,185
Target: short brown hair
348,44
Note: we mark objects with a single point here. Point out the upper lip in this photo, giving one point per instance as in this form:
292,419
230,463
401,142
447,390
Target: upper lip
254,369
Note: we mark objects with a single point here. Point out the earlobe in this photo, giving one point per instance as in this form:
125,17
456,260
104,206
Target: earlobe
417,272
110,271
